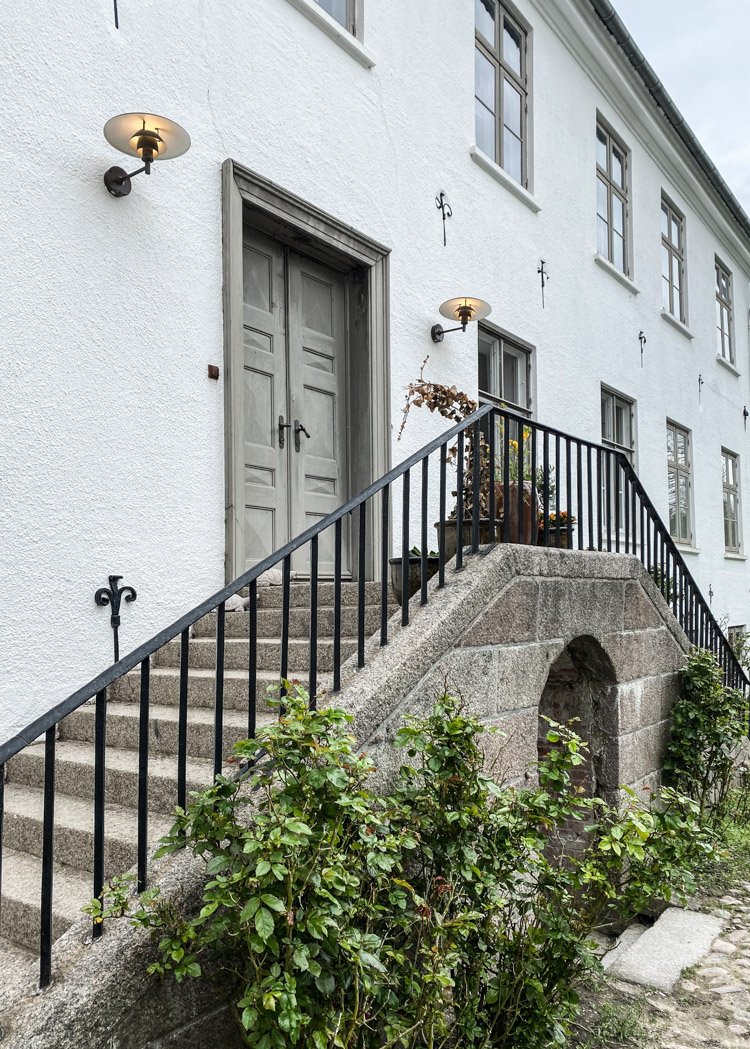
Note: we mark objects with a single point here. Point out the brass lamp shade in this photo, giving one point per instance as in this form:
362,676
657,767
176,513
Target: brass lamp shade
468,308
145,135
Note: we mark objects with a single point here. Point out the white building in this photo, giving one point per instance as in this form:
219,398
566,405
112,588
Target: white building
328,129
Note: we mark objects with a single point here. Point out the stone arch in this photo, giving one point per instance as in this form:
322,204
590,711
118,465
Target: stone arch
582,684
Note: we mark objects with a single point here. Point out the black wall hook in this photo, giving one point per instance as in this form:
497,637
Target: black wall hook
642,340
545,277
442,205
112,595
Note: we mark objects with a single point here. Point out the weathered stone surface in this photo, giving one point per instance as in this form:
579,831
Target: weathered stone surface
641,753
571,607
640,613
512,617
676,941
646,701
644,653
509,755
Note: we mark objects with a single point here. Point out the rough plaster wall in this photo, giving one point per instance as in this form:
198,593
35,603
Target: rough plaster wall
111,442
495,631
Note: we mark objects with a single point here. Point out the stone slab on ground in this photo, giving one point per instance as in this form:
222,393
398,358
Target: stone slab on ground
625,942
679,939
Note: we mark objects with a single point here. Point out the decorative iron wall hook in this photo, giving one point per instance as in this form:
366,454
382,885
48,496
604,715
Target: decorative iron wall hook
745,414
642,340
117,20
700,387
710,593
112,596
443,205
545,277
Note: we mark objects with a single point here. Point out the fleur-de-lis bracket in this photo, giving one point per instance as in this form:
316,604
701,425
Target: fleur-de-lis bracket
112,596
447,210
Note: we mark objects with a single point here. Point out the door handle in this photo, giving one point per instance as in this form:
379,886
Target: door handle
284,426
299,428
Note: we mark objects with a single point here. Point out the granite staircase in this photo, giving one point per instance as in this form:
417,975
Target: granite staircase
74,777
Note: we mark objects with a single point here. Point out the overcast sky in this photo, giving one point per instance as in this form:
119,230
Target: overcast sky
700,53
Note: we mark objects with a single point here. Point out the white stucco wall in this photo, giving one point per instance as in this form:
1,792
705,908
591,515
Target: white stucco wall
111,434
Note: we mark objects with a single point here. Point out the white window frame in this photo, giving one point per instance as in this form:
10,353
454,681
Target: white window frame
680,470
492,51
629,405
675,289
724,313
606,177
515,346
731,489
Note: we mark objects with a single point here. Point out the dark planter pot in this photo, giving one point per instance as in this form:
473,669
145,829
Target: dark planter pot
415,574
553,540
494,532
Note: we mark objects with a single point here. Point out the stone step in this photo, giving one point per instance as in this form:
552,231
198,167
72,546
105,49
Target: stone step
676,941
299,594
19,967
74,829
123,727
237,624
202,653
164,687
74,774
21,907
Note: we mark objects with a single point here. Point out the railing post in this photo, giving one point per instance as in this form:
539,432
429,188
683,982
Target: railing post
441,515
100,743
48,844
384,566
460,503
313,651
475,487
423,562
361,567
405,548
337,607
143,723
182,722
252,655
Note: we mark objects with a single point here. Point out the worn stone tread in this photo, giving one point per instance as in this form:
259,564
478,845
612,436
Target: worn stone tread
165,686
676,941
202,653
22,879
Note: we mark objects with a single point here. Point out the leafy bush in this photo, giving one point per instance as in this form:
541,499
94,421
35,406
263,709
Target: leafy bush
437,917
708,723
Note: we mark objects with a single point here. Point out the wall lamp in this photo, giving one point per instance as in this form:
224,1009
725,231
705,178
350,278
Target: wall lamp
463,310
146,136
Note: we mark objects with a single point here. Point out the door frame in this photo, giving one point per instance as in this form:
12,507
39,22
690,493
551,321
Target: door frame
248,197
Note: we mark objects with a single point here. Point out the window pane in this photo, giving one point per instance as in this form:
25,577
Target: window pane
512,154
681,448
601,149
484,75
335,8
725,469
665,220
617,166
670,443
484,19
666,294
601,200
485,129
618,215
511,108
602,237
510,377
675,232
607,401
512,46
684,511
484,367
618,251
672,502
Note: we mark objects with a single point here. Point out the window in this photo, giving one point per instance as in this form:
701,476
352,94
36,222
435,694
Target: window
611,199
618,430
341,10
724,344
730,479
503,372
678,475
501,87
673,260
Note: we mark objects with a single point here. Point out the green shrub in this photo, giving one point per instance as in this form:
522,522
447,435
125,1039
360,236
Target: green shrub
437,917
708,723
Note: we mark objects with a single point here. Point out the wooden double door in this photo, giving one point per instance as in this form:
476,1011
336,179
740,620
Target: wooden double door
294,400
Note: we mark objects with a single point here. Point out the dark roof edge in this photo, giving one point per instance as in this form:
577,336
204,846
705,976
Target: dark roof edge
660,95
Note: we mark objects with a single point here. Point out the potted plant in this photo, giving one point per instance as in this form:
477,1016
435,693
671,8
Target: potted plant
415,571
552,520
455,406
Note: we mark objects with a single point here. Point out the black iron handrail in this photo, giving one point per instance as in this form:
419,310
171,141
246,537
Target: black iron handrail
514,477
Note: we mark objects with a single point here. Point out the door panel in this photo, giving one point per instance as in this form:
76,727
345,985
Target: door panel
265,394
317,385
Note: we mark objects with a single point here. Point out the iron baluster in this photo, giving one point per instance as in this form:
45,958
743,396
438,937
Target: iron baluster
626,502
441,514
608,481
100,743
384,580
590,496
545,491
112,596
493,500
313,683
568,493
2,820
507,511
460,503
182,722
476,460
361,550
405,549
337,607
219,691
579,493
285,586
521,480
633,517
423,558
599,500
558,493
252,675
616,498
48,845
143,716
